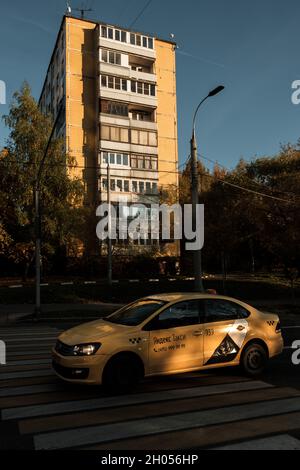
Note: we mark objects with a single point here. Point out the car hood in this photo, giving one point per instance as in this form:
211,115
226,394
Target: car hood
90,332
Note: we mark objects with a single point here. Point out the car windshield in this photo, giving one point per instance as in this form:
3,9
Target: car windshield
134,314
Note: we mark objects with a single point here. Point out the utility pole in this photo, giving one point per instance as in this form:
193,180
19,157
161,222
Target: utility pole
197,257
109,240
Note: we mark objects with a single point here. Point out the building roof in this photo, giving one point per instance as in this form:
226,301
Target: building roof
96,24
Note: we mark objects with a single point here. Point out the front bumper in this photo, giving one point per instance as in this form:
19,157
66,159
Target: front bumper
81,370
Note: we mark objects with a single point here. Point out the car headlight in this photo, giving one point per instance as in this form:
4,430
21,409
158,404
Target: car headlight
86,349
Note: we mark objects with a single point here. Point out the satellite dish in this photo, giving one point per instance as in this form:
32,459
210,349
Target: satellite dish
172,36
69,9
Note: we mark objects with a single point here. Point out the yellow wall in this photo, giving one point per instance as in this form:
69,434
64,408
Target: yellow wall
81,100
167,114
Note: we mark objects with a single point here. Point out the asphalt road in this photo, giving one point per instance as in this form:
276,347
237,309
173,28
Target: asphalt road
215,409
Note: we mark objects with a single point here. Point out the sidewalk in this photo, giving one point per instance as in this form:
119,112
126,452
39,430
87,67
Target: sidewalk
14,312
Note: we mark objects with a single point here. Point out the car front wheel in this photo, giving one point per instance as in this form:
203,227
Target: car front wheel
254,359
121,374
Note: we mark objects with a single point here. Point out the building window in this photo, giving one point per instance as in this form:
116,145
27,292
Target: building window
144,163
104,31
138,40
115,134
141,187
120,185
138,115
117,35
112,185
126,186
104,184
123,36
121,134
119,159
111,57
143,88
110,33
132,39
135,187
133,86
143,138
140,88
114,83
105,133
111,107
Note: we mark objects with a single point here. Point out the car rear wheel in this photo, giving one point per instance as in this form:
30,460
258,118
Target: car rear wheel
121,374
254,359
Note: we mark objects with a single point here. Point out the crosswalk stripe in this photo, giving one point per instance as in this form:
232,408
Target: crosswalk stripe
28,381
208,436
118,431
135,399
30,340
28,362
31,334
35,347
29,373
19,356
29,389
29,331
24,368
131,412
279,442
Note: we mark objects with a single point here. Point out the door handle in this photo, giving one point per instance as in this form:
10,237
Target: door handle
198,333
241,328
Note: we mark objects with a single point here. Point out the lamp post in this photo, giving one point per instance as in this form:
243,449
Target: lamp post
37,191
197,260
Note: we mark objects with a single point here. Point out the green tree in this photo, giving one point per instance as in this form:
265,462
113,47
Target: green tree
61,192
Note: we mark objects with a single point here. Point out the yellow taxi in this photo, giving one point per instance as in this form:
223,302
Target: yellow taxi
168,334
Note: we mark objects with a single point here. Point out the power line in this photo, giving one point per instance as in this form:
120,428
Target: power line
165,173
140,14
261,185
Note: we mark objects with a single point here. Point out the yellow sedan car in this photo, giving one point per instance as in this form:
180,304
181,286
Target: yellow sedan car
168,334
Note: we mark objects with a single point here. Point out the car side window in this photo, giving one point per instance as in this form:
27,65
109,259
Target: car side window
178,315
217,310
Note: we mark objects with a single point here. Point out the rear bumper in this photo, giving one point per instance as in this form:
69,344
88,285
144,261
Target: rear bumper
80,370
276,346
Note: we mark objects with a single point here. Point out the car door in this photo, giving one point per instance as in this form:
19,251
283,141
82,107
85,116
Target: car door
176,339
225,330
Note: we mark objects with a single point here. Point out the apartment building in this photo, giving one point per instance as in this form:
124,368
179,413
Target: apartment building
115,93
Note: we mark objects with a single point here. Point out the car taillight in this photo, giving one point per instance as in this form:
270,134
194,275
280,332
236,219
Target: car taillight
278,327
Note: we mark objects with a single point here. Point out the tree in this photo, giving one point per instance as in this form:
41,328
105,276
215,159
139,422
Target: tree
61,193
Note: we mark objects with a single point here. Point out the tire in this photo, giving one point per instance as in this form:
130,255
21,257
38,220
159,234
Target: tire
254,359
121,374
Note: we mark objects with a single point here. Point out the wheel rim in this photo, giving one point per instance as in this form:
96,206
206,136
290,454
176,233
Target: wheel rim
255,359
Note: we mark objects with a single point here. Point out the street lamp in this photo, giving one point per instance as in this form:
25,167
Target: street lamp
37,191
195,191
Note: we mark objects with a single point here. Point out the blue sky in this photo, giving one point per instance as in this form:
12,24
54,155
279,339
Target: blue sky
251,47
